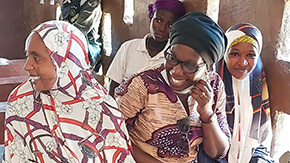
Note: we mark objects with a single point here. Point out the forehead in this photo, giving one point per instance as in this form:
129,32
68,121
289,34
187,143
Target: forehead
185,53
164,14
35,42
36,45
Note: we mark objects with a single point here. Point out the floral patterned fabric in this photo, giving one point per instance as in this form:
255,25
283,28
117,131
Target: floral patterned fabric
152,111
76,121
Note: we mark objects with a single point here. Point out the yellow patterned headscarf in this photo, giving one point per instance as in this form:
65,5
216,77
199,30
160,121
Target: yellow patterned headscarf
245,39
244,32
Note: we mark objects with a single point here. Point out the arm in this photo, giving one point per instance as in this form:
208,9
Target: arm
89,15
131,100
142,157
117,68
216,134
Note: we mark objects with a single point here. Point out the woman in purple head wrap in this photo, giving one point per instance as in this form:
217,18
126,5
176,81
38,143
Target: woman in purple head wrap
137,54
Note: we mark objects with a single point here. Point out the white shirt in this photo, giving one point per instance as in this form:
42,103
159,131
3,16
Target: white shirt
131,58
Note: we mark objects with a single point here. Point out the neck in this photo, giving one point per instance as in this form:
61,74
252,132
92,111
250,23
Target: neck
154,47
183,98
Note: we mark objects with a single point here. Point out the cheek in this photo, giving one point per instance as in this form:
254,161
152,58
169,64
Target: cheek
48,73
168,68
231,62
252,64
197,76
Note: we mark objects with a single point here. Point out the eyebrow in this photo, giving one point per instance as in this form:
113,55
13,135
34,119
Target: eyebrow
34,53
240,50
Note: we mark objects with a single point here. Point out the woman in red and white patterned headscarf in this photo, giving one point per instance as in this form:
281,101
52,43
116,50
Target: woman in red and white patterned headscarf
61,114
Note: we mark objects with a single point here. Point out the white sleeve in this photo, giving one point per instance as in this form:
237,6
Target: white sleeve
117,68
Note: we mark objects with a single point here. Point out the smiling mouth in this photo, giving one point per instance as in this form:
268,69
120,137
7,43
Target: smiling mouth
176,81
34,78
241,70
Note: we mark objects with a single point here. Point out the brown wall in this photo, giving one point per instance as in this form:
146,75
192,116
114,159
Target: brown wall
17,20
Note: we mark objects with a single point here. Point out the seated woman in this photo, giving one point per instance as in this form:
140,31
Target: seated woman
248,111
170,111
61,114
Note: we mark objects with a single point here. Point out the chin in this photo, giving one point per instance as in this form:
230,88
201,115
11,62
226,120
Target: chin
158,39
241,77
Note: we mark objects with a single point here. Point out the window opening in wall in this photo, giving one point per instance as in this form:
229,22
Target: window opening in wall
106,34
128,16
51,2
213,9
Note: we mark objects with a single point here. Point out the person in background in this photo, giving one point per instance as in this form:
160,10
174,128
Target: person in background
86,16
138,54
177,113
247,108
61,113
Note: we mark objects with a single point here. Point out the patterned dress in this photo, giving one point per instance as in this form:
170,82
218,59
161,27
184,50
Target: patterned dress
152,112
75,121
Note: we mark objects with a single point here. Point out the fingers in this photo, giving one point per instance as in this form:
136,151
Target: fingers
203,86
202,90
203,94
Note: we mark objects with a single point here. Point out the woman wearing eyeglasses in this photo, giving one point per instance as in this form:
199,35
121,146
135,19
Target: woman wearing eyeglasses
247,108
62,114
176,113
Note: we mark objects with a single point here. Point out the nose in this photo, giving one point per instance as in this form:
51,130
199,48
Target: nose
177,69
243,61
163,26
28,64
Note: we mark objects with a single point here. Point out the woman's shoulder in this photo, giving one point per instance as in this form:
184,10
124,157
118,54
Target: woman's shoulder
23,89
132,42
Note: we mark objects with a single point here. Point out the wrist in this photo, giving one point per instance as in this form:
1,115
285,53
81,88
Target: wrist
210,119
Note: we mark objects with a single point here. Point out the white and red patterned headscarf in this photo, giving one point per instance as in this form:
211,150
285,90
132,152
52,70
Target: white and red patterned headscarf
76,120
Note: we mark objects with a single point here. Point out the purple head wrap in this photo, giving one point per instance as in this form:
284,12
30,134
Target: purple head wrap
174,6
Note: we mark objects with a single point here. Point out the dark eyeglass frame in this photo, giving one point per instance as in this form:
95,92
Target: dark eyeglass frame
172,60
184,127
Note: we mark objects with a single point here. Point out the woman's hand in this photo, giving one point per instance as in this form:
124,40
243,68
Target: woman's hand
203,94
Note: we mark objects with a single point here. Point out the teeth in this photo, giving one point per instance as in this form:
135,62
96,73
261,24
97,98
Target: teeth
176,81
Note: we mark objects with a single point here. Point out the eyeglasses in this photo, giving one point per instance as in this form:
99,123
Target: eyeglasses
187,67
184,127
